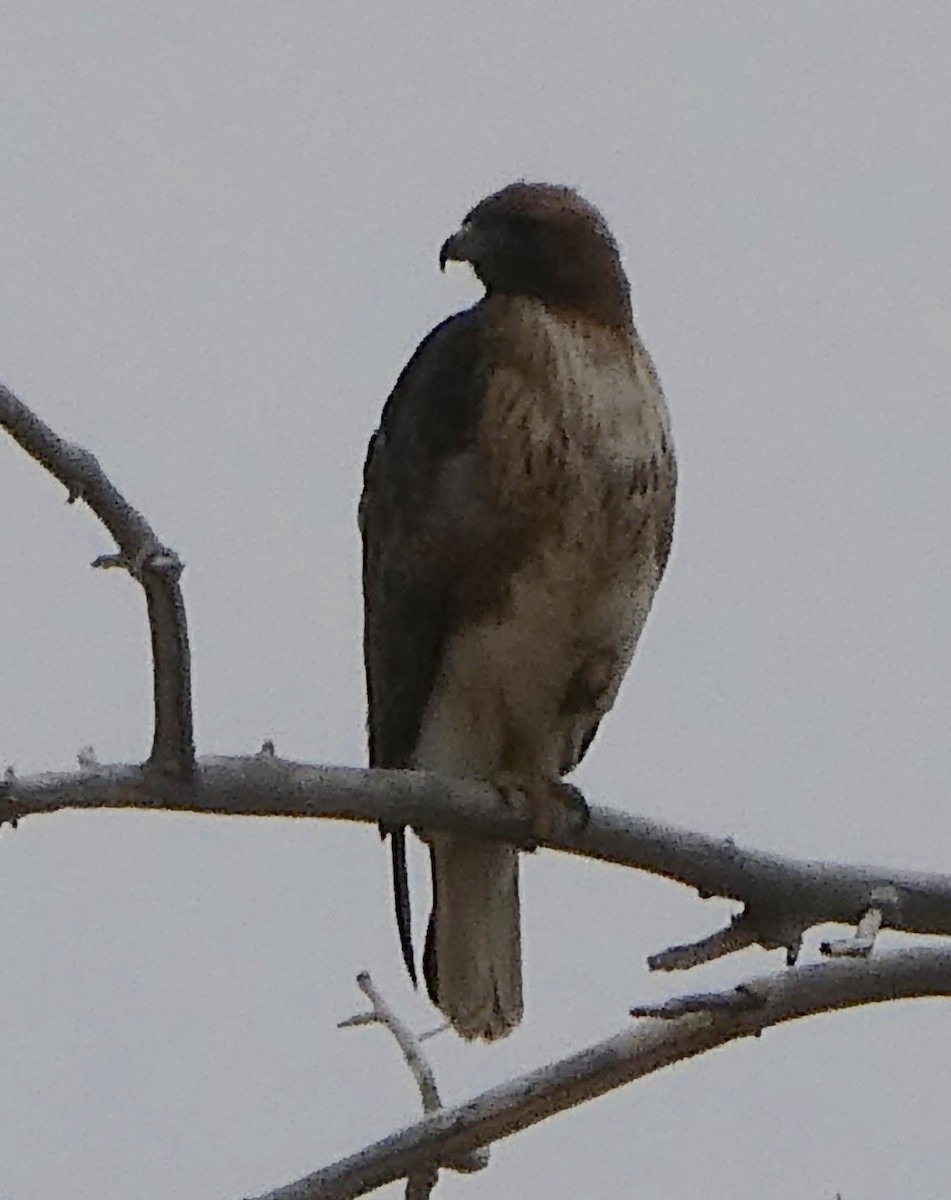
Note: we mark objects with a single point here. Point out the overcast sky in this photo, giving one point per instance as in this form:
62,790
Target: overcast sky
219,236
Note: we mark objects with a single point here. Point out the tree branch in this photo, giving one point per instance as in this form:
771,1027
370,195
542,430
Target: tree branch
647,1047
155,566
782,895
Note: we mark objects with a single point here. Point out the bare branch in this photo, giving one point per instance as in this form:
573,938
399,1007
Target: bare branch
783,895
736,936
155,566
632,1054
756,925
419,1186
382,1014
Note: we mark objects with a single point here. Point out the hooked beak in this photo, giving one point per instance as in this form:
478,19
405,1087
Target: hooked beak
461,247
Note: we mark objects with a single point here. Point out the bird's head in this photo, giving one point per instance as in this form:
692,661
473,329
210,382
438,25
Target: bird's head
546,242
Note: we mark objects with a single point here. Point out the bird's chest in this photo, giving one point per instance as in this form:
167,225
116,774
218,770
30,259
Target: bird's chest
571,427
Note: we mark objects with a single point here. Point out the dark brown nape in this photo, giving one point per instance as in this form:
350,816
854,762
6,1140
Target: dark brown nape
547,241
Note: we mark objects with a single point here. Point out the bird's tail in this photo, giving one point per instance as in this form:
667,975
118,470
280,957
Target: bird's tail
473,958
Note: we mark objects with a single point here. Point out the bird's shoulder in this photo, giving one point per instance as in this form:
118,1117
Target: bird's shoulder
433,409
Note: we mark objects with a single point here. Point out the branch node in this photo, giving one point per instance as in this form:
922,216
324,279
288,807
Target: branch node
151,554
86,758
10,810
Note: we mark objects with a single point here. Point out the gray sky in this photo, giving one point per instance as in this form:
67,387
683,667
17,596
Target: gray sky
219,245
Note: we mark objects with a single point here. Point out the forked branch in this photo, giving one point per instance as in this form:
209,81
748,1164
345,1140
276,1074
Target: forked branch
646,1047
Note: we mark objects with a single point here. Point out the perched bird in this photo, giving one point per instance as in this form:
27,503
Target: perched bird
517,514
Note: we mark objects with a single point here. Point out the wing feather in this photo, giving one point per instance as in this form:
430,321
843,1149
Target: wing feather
412,527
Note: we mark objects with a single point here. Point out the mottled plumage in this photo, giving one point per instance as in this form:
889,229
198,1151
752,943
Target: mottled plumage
516,516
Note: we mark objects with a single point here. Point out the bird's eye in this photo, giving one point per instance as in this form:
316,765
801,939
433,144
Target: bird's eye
520,227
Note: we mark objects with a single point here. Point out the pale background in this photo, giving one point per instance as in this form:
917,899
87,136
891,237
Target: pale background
219,233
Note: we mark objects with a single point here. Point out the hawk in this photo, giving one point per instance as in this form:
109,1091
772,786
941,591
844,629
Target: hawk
517,514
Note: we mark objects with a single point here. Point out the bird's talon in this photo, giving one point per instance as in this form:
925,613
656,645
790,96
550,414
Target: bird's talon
575,804
514,797
510,795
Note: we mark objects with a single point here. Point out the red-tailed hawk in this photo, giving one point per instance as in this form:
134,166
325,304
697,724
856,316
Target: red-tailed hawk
517,512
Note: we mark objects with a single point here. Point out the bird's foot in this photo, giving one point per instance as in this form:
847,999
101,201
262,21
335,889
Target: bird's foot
551,805
577,808
515,794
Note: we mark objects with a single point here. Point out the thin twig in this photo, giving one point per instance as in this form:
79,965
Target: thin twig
155,566
421,1183
382,1014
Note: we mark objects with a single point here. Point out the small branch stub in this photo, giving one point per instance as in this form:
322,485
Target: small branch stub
10,811
86,758
861,944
